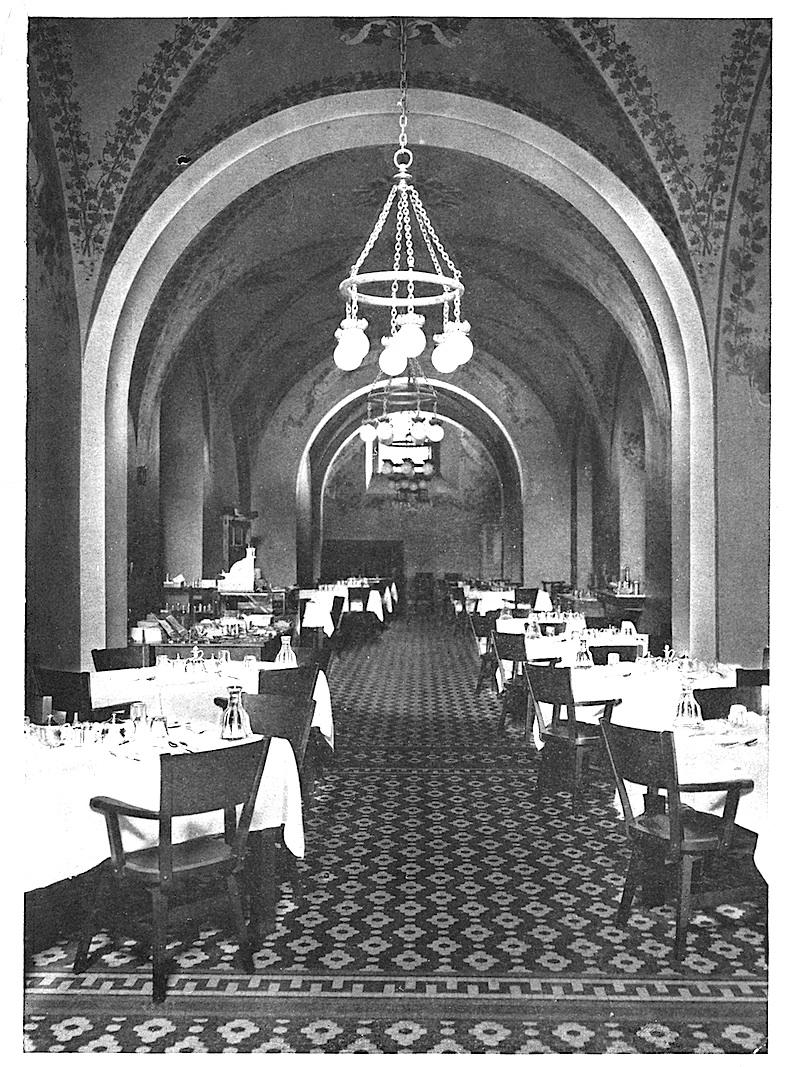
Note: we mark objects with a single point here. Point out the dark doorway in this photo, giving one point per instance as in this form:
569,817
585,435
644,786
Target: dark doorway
361,559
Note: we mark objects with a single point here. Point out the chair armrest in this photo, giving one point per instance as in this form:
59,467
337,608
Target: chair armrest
110,806
611,703
716,787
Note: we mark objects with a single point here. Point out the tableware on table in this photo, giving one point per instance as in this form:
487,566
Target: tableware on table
286,656
688,712
737,716
235,720
158,727
613,659
583,659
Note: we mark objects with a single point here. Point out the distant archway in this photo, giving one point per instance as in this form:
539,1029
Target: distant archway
360,119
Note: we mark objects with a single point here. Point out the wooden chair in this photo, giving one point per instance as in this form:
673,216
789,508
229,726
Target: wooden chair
192,783
116,659
70,692
715,702
525,596
750,684
293,681
669,836
482,627
553,685
626,653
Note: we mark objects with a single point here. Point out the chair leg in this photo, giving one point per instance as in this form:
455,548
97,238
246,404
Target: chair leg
580,754
261,883
547,756
629,889
90,924
237,914
160,907
686,869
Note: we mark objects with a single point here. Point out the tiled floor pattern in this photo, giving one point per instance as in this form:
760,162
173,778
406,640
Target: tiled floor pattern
434,886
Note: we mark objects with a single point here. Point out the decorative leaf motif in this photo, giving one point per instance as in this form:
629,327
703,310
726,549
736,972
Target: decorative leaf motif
91,205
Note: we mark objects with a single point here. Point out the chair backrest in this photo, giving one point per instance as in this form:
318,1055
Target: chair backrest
644,758
300,680
482,625
626,653
286,715
357,599
509,646
317,655
752,677
337,607
525,597
452,576
115,659
69,689
750,684
550,685
220,779
715,702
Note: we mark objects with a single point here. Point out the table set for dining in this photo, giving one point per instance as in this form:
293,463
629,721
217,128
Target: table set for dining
381,602
173,711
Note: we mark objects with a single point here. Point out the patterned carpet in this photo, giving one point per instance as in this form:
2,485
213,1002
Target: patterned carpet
440,909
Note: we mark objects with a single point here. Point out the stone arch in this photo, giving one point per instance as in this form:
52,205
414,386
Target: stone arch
445,120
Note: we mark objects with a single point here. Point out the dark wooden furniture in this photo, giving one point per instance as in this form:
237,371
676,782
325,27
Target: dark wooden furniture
553,685
70,692
482,627
750,684
191,783
619,608
190,603
262,648
525,596
670,836
626,653
511,648
116,659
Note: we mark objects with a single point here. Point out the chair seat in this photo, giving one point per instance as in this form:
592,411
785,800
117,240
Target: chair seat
198,855
586,733
701,831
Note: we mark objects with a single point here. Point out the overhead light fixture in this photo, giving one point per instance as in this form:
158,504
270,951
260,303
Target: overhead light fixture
402,409
404,288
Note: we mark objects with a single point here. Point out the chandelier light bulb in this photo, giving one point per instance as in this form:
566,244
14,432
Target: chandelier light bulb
444,359
385,431
419,429
427,468
437,431
393,360
462,347
413,487
368,433
353,344
410,337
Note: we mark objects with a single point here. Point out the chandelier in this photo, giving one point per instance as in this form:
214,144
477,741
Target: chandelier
402,410
404,288
411,480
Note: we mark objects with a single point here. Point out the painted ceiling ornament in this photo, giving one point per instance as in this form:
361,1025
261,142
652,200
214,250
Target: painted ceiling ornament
373,31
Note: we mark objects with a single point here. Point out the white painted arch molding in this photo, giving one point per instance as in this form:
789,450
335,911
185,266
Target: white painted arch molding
368,118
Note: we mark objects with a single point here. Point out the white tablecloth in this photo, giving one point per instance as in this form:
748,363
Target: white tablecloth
649,698
324,598
186,697
64,837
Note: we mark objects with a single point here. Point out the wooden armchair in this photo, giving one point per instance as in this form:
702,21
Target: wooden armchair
553,685
192,783
626,653
669,836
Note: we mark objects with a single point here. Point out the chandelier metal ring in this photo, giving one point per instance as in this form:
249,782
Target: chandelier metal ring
350,287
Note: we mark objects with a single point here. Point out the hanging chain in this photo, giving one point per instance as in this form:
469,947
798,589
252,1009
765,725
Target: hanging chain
403,139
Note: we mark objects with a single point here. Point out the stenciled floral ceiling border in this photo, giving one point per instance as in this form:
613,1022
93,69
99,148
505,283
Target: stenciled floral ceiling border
103,204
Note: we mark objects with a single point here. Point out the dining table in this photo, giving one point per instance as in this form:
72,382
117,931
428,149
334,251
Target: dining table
185,691
320,604
649,691
65,838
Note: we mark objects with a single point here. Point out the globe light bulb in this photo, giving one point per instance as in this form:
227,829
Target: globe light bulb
411,340
353,344
427,468
437,431
444,359
368,433
385,432
419,429
408,468
413,487
387,467
392,360
461,346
